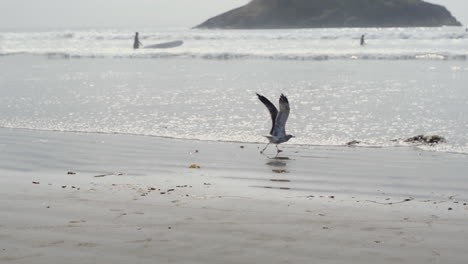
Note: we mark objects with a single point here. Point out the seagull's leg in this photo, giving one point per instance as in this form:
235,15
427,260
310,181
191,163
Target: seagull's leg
278,150
261,152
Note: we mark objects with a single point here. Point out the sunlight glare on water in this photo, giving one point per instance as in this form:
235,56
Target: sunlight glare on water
332,102
404,82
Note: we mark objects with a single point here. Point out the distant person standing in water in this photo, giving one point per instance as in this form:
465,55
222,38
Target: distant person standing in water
363,41
136,42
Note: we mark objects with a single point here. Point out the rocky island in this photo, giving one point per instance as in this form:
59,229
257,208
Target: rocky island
270,14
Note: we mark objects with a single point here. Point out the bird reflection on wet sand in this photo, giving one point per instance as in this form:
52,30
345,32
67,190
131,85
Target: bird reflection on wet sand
278,161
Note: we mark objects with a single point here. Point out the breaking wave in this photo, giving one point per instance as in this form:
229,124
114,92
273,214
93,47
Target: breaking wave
253,55
442,33
445,43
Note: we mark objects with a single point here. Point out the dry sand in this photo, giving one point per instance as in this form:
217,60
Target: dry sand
315,205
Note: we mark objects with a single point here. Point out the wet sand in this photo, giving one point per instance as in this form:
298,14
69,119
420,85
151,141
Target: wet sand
100,198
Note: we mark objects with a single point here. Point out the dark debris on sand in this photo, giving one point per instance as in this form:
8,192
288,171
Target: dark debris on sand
426,139
418,139
353,143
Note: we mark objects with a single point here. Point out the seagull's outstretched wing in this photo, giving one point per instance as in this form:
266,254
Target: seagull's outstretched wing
273,111
279,128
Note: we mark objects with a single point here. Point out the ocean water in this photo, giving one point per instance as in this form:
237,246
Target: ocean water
445,43
404,82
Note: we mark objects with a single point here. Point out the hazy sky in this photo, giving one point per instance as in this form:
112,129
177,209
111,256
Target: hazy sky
133,14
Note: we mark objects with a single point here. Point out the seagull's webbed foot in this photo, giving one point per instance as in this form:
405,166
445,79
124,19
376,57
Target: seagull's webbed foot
278,151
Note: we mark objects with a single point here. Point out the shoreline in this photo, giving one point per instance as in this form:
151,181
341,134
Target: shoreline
297,162
399,143
333,204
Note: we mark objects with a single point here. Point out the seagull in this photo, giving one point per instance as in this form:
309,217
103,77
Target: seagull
278,119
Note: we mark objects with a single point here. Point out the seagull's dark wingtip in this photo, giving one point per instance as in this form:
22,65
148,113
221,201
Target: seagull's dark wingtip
284,98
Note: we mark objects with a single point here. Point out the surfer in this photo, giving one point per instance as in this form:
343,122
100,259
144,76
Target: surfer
136,42
363,41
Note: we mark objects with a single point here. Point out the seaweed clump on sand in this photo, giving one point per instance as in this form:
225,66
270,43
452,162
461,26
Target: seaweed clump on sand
426,139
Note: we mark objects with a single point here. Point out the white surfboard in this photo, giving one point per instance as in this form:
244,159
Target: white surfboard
165,45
